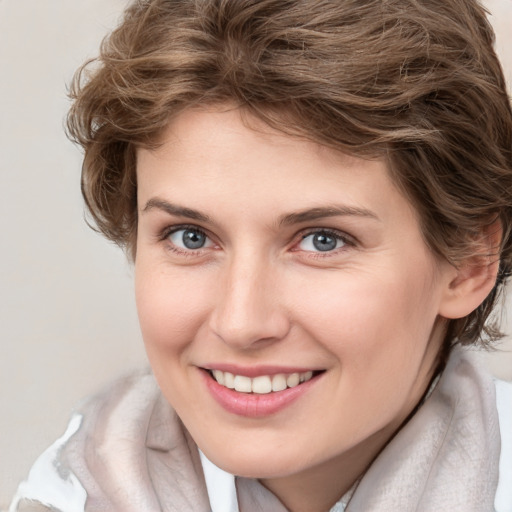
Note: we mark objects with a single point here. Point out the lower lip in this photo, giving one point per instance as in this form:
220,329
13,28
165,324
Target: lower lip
254,405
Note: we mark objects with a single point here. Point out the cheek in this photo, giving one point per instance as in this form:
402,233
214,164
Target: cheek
382,318
171,306
376,331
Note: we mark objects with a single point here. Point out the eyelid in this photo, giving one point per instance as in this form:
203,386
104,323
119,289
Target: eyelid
347,239
169,230
164,234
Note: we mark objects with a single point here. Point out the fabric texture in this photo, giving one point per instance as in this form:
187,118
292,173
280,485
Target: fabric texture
127,451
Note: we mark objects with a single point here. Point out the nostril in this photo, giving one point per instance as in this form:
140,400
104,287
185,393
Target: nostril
250,330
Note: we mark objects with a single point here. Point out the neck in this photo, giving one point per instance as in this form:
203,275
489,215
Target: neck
317,489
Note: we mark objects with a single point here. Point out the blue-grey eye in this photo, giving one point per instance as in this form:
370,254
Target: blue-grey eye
322,241
189,238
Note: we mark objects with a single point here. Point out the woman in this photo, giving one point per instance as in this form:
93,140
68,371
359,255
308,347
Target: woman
317,197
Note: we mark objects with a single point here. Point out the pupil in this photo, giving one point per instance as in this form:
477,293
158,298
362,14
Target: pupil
193,239
324,242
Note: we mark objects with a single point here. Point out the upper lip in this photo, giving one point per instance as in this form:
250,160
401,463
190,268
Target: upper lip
259,370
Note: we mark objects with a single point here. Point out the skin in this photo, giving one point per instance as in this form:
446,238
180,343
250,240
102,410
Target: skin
370,313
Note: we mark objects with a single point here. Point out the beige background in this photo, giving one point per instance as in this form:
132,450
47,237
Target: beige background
67,315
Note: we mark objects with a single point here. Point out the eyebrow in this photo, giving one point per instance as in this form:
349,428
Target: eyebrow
172,209
289,219
324,212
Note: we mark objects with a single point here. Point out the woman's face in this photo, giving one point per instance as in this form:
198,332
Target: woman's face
265,260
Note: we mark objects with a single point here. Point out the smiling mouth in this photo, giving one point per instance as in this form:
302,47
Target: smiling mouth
262,384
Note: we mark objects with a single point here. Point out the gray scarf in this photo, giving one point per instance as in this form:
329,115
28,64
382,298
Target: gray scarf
132,454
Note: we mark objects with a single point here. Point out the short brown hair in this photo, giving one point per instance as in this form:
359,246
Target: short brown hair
414,81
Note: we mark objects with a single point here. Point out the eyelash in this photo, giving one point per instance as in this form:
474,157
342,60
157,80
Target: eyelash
347,240
169,230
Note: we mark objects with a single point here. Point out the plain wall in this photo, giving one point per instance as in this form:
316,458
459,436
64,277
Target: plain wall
67,315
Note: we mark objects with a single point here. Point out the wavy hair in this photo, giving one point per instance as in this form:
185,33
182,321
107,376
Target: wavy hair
416,82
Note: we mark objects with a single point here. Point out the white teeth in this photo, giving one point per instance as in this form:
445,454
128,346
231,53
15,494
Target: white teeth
262,384
306,376
219,376
243,384
293,380
278,382
229,380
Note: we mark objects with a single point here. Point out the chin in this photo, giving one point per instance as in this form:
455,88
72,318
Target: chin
258,465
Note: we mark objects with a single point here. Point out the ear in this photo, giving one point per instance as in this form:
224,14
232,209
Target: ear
475,276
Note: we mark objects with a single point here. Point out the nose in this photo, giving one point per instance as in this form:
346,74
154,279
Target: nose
249,311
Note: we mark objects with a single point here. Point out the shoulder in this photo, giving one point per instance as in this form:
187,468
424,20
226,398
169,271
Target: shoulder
503,502
63,474
124,449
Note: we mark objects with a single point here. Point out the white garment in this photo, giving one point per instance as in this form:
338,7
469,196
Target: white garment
127,451
503,501
221,485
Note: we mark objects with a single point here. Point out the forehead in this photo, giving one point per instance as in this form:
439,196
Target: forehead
215,156
226,127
